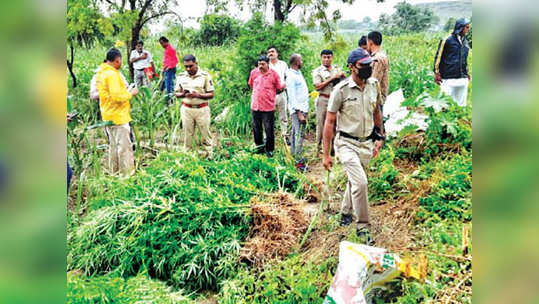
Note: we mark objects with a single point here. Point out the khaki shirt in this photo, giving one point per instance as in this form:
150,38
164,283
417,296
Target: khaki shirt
321,74
380,71
201,82
355,108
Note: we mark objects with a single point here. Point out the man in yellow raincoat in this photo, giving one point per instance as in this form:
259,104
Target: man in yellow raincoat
115,107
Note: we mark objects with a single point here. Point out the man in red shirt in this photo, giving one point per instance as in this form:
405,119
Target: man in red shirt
170,60
265,84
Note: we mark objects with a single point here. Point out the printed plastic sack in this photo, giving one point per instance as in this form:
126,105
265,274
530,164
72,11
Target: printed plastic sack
363,269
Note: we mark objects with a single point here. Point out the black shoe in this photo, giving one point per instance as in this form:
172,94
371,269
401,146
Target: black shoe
269,154
365,236
346,219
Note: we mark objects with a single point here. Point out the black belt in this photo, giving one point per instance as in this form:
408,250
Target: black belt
140,69
344,134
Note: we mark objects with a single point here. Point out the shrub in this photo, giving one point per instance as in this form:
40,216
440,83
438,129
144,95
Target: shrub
293,280
256,36
216,30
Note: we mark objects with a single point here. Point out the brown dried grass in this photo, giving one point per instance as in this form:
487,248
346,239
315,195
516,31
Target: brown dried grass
278,224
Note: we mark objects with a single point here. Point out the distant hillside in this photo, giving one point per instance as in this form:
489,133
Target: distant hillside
448,9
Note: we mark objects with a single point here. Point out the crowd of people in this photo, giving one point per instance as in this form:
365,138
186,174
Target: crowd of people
349,122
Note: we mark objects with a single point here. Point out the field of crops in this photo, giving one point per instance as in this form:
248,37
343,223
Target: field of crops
178,230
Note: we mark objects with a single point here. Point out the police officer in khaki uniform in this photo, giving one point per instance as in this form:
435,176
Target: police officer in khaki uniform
355,106
324,78
380,65
195,88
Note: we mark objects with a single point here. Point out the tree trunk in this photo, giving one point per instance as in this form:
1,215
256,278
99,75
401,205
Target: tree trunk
70,65
277,11
131,45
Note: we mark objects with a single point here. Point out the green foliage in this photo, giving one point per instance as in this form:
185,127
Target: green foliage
84,22
450,195
449,130
216,30
382,174
179,219
407,18
449,25
293,280
114,289
469,35
257,35
411,58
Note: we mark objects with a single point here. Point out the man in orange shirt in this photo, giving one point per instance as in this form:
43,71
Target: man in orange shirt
115,107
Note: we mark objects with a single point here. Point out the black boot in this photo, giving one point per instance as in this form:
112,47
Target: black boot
346,219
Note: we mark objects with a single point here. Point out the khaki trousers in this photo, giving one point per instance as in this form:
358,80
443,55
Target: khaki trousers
321,110
280,108
355,157
121,157
191,118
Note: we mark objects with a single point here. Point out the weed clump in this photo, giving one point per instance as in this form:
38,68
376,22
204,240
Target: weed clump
180,220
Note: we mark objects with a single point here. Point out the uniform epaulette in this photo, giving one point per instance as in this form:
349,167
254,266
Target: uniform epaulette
341,84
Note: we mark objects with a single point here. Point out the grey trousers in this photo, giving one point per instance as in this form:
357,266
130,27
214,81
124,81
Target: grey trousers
141,79
281,109
296,136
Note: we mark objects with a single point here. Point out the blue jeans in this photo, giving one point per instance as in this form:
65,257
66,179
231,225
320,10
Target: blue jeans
168,84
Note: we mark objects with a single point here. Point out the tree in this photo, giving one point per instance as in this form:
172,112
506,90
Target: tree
407,18
216,30
314,12
85,24
450,24
130,16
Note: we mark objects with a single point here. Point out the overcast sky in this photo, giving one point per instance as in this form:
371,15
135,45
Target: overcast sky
356,11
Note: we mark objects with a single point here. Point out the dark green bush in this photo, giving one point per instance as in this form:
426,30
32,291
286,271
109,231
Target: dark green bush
257,35
216,30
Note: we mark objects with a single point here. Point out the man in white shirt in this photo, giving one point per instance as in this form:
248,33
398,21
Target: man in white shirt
298,105
141,59
280,67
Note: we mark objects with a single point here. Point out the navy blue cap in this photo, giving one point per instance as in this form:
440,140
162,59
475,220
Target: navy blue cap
361,55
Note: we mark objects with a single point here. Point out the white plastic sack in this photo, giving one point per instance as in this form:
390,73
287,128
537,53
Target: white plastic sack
399,117
362,269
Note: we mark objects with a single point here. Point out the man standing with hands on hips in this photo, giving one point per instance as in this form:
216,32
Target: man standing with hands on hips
354,109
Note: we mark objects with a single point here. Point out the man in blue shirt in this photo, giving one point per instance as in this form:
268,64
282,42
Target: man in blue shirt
298,106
